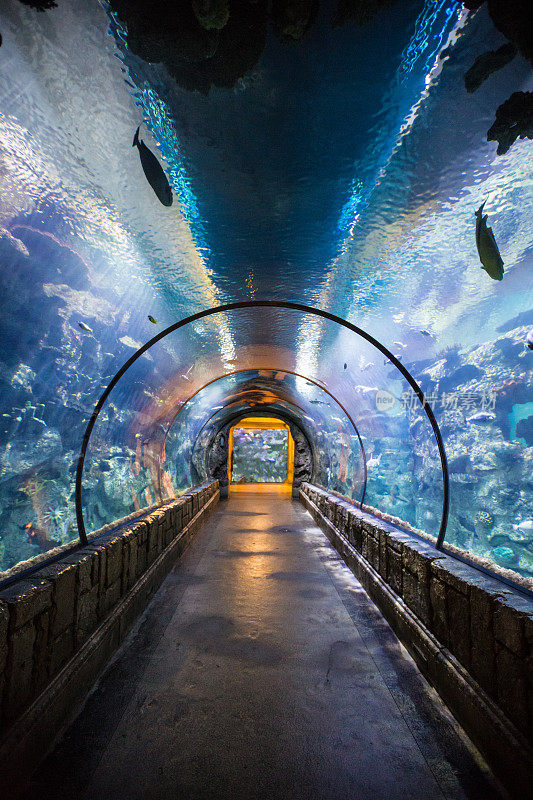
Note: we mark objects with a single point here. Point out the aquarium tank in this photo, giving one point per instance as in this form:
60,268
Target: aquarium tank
369,160
259,456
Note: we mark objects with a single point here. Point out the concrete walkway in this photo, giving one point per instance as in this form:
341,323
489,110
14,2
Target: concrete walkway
262,670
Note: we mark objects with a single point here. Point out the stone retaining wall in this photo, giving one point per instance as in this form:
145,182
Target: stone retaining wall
46,620
471,636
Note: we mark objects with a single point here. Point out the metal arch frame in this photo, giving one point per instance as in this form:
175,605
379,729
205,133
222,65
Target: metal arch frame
286,372
285,305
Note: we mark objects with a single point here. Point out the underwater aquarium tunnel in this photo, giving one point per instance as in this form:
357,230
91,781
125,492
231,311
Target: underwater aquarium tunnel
171,421
345,180
277,254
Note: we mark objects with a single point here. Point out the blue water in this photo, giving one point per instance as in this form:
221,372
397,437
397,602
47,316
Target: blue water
259,456
343,172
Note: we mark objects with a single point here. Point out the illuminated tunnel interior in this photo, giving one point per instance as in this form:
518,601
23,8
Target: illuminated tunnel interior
275,252
357,223
261,451
170,425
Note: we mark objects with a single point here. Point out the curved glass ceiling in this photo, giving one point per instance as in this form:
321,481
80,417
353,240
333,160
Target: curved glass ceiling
343,171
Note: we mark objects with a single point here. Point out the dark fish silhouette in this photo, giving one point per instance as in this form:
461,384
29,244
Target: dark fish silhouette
154,172
152,319
487,249
487,63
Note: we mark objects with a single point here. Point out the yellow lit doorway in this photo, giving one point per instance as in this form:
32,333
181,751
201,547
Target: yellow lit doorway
250,428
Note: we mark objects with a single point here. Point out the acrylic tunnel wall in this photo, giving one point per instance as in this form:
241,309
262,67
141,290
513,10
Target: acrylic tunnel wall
286,185
322,436
368,435
346,396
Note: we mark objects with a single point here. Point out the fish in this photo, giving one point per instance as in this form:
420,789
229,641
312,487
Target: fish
487,249
365,389
460,464
129,342
155,174
426,333
345,366
484,517
528,344
487,63
525,525
152,319
85,327
481,418
394,497
373,461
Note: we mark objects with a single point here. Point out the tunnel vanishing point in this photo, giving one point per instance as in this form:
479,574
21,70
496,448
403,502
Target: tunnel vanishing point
266,430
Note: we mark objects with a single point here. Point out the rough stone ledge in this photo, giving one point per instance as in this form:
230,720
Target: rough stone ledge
471,636
72,547
54,625
510,575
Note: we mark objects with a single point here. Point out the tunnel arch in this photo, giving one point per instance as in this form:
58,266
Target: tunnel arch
288,372
218,466
282,306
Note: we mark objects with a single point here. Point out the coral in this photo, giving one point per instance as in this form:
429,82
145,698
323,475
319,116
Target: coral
293,18
460,464
211,13
486,468
511,391
451,355
202,44
463,374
